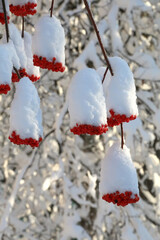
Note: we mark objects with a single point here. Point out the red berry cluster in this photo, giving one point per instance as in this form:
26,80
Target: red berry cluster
15,77
4,88
16,139
89,129
42,62
121,199
33,78
23,10
2,18
117,119
22,73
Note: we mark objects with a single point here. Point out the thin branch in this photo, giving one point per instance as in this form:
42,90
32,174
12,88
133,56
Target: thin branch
6,20
10,203
122,139
51,9
105,75
15,69
22,26
98,36
37,150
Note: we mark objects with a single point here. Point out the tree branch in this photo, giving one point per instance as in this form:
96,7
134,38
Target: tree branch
98,36
51,9
6,21
122,139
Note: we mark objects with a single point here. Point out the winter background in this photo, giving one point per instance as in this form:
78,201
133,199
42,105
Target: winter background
53,192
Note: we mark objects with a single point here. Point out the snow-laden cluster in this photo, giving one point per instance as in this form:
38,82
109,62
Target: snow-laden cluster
49,44
92,96
25,115
86,101
8,59
86,97
18,42
120,92
119,183
23,7
32,71
2,18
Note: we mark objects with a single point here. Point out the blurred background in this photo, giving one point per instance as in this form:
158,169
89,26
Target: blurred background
53,192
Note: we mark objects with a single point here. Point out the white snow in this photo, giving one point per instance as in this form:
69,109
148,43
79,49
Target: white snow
13,54
117,171
18,42
25,112
31,69
116,40
89,53
101,71
21,2
130,4
120,92
72,230
49,39
86,99
8,58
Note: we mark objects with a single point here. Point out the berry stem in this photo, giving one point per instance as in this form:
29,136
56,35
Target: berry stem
98,36
122,140
22,26
51,9
6,21
105,75
15,69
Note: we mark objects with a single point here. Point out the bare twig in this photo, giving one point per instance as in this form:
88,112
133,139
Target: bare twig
122,140
51,9
6,21
37,150
22,26
15,69
105,73
98,36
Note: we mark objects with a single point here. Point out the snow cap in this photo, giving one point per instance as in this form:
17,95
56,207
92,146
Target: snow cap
18,42
118,183
23,7
87,106
120,92
2,18
51,55
32,71
25,115
8,59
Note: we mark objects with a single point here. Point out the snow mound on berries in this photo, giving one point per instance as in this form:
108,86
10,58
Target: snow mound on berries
31,69
18,42
49,30
8,58
119,89
118,172
25,112
86,99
